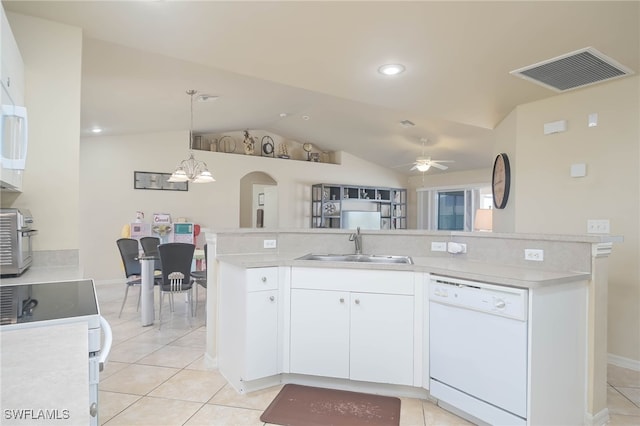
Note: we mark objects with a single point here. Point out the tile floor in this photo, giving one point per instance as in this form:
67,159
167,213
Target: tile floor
157,377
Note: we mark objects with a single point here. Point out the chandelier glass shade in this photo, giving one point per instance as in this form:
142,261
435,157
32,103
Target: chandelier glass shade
191,169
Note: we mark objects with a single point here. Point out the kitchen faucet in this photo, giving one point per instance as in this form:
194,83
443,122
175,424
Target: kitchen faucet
357,239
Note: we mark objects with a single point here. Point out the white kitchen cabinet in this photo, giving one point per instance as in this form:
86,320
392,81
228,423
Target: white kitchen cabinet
249,318
262,335
320,333
382,338
12,66
12,91
353,324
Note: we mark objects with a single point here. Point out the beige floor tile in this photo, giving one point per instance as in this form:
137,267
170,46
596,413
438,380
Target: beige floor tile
172,356
132,351
620,420
623,377
162,336
137,379
619,404
112,404
411,412
112,367
195,339
257,400
631,393
200,364
191,385
217,415
148,411
126,330
434,415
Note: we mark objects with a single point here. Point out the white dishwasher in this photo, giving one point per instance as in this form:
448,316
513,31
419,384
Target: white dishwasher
478,349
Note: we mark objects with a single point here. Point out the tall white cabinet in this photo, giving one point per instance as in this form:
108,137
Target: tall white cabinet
250,345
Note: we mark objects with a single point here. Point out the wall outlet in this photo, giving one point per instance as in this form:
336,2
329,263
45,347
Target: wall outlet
438,246
270,244
598,226
455,248
534,254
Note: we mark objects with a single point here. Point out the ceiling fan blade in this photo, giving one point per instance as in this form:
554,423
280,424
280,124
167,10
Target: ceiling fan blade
439,166
415,167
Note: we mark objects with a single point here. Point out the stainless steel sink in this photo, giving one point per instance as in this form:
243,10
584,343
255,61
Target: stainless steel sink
371,258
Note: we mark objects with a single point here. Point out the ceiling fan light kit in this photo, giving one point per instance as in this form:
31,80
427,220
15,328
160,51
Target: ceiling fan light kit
422,163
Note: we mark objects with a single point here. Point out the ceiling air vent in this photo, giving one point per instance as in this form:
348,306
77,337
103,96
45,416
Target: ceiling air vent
573,70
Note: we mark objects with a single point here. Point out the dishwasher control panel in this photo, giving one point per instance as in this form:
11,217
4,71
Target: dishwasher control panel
490,298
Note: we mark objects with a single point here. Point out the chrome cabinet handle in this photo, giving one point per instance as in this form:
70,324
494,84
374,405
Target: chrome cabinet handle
272,298
342,300
357,301
264,279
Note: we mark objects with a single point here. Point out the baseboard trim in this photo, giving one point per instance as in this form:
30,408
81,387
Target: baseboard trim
601,418
623,362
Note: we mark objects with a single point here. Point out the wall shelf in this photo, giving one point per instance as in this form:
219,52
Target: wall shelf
328,201
266,145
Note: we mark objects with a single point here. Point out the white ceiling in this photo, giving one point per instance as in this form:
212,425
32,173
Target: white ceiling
320,59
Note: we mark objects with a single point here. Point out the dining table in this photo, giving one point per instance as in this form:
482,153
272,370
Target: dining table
147,308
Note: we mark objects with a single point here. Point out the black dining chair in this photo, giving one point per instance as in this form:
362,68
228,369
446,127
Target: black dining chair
200,277
176,273
150,248
129,253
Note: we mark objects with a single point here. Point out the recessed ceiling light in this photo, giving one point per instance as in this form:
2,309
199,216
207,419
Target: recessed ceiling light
391,69
305,117
407,123
284,115
96,130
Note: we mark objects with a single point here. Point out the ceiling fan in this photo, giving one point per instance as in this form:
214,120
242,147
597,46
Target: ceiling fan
423,163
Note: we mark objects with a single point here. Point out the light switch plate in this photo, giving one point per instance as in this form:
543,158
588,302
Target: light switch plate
270,244
435,246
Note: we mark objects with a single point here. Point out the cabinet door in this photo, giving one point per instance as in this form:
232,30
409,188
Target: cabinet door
382,338
261,335
320,333
12,71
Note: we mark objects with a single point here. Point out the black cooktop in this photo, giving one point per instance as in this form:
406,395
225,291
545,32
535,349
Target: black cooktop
32,302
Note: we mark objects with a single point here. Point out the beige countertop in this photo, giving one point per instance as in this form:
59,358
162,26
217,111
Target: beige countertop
45,274
465,269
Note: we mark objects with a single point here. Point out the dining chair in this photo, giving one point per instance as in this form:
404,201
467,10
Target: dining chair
176,273
129,253
200,277
150,248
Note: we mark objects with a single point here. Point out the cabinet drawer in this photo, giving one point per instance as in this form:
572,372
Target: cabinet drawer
259,279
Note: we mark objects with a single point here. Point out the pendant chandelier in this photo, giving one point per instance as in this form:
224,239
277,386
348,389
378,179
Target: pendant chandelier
191,169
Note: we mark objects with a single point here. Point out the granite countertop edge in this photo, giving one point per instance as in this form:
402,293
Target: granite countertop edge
478,271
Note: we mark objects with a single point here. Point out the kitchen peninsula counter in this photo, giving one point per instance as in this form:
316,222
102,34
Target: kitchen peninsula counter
490,257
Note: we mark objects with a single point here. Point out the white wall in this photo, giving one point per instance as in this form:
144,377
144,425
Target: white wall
549,200
108,200
52,55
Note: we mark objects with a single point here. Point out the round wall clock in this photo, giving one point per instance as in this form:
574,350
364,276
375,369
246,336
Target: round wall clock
501,181
267,146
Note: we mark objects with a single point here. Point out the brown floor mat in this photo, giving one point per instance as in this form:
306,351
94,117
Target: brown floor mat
298,405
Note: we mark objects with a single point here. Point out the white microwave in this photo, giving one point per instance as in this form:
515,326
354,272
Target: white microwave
13,130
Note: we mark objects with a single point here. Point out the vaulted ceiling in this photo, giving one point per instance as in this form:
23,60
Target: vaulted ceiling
320,60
